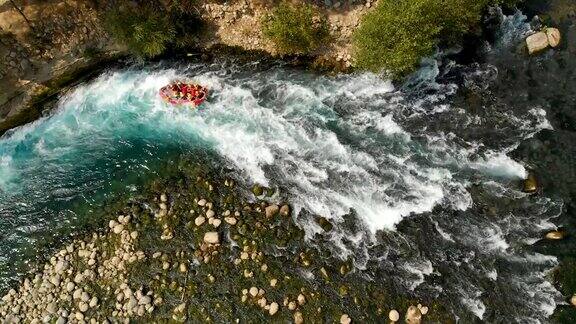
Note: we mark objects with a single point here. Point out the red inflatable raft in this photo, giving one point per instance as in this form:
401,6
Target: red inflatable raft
184,93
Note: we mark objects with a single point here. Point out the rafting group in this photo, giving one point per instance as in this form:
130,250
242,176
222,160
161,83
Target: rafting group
179,93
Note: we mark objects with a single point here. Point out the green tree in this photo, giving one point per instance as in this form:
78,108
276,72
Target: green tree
295,30
398,33
147,32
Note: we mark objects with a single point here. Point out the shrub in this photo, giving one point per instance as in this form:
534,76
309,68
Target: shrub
398,33
295,29
146,32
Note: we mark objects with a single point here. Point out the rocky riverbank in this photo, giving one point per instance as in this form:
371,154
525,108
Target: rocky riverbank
63,37
194,248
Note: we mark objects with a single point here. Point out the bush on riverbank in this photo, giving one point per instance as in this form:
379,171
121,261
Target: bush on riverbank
150,29
146,32
295,30
398,33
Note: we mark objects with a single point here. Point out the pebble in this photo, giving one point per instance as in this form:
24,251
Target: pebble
301,299
202,202
273,282
298,319
210,213
394,316
145,300
345,319
77,293
271,210
424,310
199,220
82,306
85,297
573,300
211,237
118,228
216,222
51,308
413,315
253,291
61,266
285,210
273,308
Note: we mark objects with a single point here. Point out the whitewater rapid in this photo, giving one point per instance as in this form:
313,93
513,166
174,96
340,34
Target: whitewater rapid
335,144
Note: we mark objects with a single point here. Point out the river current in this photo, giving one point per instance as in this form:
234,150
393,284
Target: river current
429,185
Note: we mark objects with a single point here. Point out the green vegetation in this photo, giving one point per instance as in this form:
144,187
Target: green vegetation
151,28
295,30
398,33
146,32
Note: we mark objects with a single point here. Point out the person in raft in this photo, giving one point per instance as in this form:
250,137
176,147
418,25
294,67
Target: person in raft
186,91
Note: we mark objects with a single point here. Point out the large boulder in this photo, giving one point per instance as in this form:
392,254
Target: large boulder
537,42
541,40
553,35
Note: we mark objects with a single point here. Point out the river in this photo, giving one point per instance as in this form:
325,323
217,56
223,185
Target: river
425,177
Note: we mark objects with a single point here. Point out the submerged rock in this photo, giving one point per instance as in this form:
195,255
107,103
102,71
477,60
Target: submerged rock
530,184
325,224
555,235
257,190
285,210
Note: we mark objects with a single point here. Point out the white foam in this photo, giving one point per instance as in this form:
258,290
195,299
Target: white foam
500,165
419,270
476,306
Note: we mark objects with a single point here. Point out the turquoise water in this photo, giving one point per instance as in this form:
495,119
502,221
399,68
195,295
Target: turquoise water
333,144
